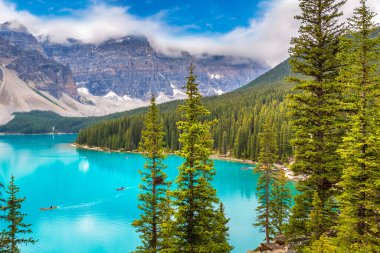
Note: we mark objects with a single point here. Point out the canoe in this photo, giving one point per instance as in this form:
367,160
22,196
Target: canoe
48,208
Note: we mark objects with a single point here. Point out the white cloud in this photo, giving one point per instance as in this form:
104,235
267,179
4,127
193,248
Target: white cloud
266,38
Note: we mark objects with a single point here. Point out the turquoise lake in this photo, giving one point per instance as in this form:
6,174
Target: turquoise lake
93,216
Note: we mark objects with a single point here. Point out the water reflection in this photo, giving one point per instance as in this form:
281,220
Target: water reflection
92,215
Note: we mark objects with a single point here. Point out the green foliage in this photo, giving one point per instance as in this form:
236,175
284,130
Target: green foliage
240,117
316,115
196,223
154,203
281,202
2,200
322,245
316,218
264,208
274,195
2,209
37,122
16,228
267,158
360,203
221,231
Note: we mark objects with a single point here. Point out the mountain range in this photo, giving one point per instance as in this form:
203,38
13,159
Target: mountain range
79,79
264,89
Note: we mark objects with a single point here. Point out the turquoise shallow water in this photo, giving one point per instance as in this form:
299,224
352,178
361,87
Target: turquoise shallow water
92,215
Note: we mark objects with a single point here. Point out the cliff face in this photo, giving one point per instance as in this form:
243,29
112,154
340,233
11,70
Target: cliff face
130,66
32,66
125,68
46,74
17,35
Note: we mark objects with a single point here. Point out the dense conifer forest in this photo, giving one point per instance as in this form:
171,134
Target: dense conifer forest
240,116
325,115
321,107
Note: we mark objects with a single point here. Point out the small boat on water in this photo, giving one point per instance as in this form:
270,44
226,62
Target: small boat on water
120,189
48,208
247,168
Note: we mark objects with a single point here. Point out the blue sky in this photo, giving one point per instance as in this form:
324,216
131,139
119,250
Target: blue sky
197,16
258,29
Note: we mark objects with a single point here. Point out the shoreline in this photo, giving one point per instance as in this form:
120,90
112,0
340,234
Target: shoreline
288,172
10,134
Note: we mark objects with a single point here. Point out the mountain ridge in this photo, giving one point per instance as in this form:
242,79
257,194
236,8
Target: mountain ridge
269,81
116,75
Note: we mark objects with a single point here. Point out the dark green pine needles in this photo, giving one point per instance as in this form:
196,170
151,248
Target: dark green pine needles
316,114
2,209
274,195
154,202
360,201
12,236
199,225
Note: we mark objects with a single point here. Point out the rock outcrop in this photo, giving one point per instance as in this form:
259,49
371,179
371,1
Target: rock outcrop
131,67
31,66
127,66
277,246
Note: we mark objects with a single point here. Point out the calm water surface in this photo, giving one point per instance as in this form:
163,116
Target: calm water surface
92,215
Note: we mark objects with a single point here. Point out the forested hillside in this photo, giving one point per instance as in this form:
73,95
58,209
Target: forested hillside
240,116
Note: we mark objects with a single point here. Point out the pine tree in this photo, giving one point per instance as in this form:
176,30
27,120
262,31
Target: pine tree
280,201
154,203
316,113
167,235
2,209
195,199
360,201
316,218
2,200
322,245
267,158
15,219
220,244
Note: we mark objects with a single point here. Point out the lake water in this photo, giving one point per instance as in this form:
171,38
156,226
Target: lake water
92,215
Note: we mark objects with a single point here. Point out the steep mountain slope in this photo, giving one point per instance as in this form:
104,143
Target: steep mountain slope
116,75
31,66
16,95
240,116
270,86
130,67
30,81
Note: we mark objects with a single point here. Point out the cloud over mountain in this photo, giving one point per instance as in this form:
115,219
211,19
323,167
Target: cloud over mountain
265,38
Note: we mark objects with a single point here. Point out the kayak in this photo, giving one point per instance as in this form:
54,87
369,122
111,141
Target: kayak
48,208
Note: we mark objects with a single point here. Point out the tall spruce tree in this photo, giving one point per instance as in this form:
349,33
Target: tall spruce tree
281,202
316,218
322,245
2,209
267,157
359,229
16,227
197,222
316,114
154,202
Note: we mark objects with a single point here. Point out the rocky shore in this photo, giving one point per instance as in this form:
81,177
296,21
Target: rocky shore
288,172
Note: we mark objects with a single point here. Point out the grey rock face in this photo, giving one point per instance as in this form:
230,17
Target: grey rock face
19,37
47,74
130,66
32,66
127,66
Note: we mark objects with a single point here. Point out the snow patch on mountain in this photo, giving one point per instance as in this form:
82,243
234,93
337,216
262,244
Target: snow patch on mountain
215,76
218,92
111,102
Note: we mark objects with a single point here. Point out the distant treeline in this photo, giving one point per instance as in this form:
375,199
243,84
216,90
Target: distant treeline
240,116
